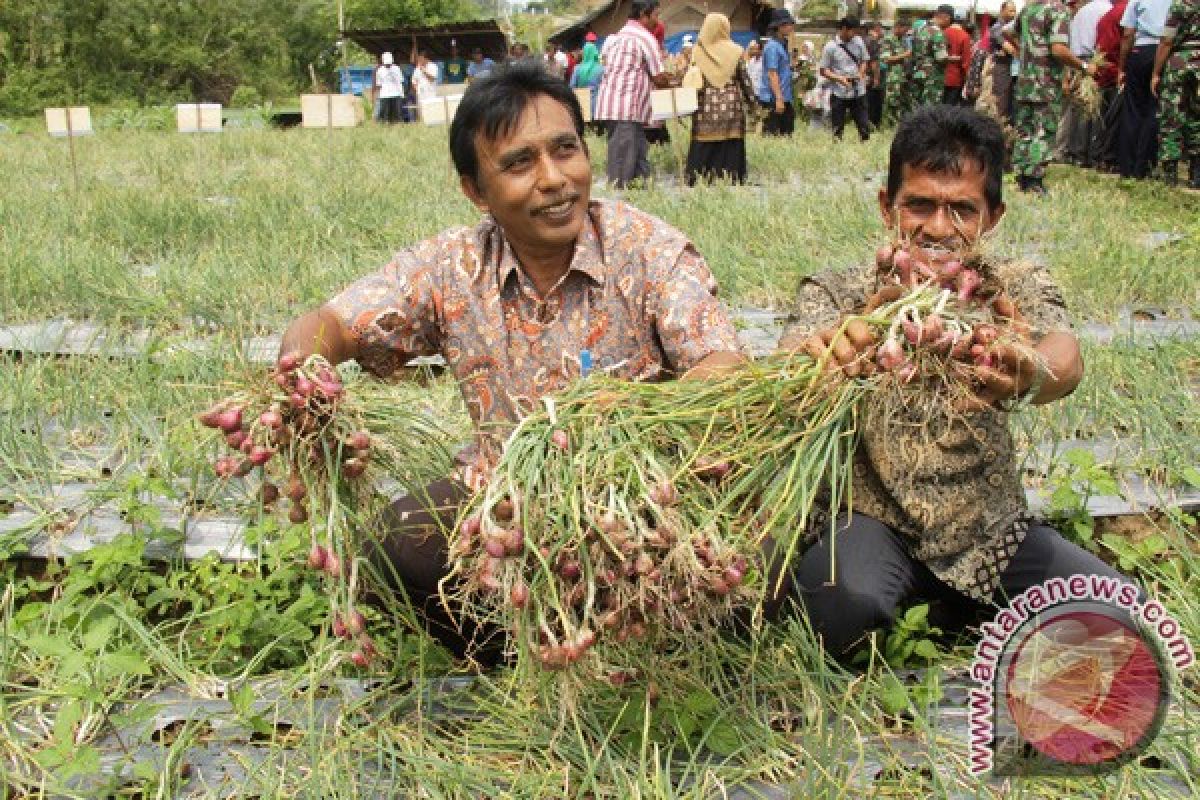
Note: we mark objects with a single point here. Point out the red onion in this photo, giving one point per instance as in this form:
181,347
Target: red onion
560,440
986,334
261,455
570,570
283,381
360,659
317,556
230,420
333,565
360,440
235,439
297,514
297,400
270,493
355,622
354,468
503,510
339,628
933,328
288,362
270,419
470,526
911,331
494,546
968,281
514,544
211,418
247,446
519,595
304,386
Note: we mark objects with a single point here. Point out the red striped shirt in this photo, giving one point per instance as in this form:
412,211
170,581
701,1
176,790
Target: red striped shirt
631,58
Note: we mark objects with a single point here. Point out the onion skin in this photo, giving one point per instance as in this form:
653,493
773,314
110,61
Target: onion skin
288,362
355,622
519,595
317,556
230,420
560,440
360,659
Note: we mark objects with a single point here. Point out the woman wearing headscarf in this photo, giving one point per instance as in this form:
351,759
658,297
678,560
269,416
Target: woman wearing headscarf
718,148
588,73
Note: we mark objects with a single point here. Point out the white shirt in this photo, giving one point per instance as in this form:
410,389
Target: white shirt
390,80
1083,27
425,80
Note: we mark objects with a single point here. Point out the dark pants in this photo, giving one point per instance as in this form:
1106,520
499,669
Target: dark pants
391,109
1138,141
779,123
1103,147
628,153
875,107
875,575
952,96
857,107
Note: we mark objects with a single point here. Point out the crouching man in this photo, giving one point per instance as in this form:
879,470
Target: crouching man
518,305
939,511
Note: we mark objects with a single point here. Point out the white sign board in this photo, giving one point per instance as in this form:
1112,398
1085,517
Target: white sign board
330,110
671,103
78,124
198,117
440,110
585,102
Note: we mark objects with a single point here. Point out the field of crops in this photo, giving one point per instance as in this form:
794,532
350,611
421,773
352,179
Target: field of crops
125,672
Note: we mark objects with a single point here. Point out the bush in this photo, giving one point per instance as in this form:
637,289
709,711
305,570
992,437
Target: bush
245,97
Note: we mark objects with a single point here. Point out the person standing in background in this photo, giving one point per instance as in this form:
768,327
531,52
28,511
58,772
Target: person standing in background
844,63
775,94
480,66
1079,127
633,66
389,83
1176,81
754,64
425,75
875,75
929,56
1142,27
588,74
1041,29
454,69
718,147
551,62
1003,52
958,49
894,54
1108,43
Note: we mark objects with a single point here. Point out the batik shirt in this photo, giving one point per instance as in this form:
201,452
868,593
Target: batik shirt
949,485
637,297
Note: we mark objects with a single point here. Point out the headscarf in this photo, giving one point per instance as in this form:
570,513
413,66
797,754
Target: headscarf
716,54
589,66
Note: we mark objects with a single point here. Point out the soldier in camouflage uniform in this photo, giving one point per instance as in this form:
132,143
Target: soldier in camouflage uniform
929,55
895,55
1176,81
1040,32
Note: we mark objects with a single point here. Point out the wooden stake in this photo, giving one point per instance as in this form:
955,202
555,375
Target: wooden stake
71,150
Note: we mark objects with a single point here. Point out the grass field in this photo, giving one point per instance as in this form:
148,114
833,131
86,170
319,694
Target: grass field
233,234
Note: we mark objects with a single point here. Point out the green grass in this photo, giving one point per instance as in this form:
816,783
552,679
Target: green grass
240,231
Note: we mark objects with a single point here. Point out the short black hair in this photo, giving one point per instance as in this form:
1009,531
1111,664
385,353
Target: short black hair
492,105
849,22
941,139
641,8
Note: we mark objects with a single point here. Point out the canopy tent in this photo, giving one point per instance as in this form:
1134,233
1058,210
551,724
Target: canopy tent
484,34
678,17
888,9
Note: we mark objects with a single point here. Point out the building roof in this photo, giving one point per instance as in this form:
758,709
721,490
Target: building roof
484,34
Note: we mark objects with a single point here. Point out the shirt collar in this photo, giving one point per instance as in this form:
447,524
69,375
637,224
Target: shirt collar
588,257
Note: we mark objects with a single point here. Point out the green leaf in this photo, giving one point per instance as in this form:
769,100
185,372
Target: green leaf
723,740
917,615
1078,457
926,649
99,634
52,646
125,662
892,695
1192,476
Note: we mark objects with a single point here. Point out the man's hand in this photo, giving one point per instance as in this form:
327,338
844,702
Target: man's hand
850,349
1155,79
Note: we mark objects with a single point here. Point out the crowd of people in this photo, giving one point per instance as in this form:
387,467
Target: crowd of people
1107,84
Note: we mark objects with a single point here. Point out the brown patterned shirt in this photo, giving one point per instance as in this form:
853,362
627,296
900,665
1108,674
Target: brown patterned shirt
950,486
637,296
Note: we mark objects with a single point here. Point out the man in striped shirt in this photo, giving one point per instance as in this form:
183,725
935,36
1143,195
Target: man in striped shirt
633,65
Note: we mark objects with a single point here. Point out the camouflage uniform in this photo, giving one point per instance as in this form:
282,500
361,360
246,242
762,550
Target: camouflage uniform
929,55
897,102
1179,91
1038,91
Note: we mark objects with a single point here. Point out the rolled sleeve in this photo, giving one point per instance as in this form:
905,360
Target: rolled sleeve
691,322
392,313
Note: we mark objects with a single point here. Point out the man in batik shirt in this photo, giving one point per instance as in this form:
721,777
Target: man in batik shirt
938,509
517,304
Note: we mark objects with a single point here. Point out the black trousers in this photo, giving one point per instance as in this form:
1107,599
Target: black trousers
857,107
1137,146
875,106
952,96
391,109
1104,142
628,150
779,123
875,575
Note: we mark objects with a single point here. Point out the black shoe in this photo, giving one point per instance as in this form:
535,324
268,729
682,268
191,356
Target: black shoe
1170,173
1031,185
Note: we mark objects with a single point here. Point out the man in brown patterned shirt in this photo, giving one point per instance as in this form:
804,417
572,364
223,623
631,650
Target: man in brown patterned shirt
547,281
938,507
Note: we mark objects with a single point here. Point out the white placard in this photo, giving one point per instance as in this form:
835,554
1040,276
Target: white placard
316,110
198,117
585,103
81,121
671,103
440,110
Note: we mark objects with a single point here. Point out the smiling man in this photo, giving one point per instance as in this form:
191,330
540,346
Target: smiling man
938,508
518,304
